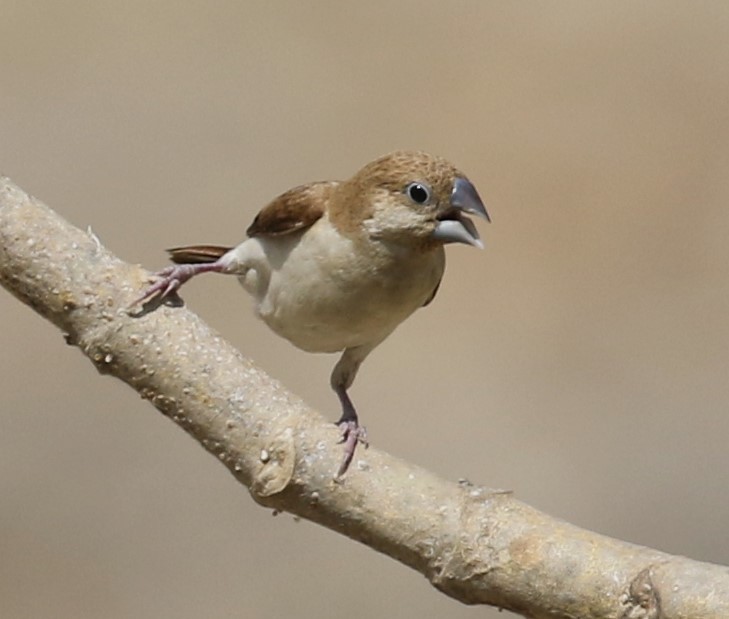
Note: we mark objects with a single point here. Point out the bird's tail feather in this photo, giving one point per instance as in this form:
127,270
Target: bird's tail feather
196,254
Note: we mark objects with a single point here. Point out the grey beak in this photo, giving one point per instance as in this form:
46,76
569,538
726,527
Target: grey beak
466,198
453,226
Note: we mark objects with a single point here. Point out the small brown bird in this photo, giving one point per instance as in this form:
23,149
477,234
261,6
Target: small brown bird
337,265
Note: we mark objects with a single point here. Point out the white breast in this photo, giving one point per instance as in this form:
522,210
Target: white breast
324,293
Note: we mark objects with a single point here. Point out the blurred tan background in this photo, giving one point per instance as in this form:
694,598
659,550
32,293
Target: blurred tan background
580,360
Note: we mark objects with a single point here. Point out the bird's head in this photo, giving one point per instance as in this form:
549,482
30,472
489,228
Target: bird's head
414,198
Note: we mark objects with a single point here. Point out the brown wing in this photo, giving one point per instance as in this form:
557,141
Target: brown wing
194,254
294,210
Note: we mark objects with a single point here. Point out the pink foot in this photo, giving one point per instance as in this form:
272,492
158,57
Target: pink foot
170,279
352,434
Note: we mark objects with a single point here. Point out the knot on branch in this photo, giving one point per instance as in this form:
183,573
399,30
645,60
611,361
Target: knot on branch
641,600
275,466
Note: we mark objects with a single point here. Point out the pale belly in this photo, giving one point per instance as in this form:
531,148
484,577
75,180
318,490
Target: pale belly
322,309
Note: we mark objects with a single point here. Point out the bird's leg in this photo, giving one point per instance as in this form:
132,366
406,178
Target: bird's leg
342,379
170,279
352,432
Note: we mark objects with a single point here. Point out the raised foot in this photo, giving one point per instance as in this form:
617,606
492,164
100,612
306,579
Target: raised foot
352,434
169,281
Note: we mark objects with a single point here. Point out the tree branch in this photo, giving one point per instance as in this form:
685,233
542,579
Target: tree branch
477,545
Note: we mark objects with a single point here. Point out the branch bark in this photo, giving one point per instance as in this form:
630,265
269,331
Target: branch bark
478,545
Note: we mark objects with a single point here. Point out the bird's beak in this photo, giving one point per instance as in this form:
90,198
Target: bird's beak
453,226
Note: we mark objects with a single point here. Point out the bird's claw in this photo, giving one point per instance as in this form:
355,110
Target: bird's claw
352,435
168,282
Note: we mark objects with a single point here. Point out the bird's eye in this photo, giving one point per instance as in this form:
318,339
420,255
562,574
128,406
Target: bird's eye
418,193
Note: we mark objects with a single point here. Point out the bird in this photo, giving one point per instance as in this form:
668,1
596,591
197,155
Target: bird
336,266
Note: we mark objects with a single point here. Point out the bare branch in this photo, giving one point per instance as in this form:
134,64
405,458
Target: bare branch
477,545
